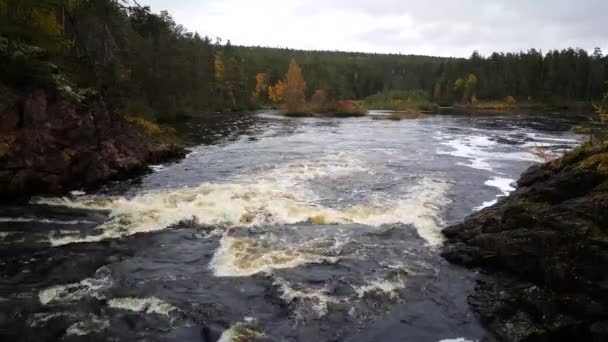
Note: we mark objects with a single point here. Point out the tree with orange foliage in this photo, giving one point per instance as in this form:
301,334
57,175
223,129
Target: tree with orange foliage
277,92
261,88
295,97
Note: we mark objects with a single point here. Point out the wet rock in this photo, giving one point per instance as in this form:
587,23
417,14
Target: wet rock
549,240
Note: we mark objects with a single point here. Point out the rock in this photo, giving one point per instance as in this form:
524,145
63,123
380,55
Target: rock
547,244
54,144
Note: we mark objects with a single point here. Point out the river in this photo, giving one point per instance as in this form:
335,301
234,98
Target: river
272,228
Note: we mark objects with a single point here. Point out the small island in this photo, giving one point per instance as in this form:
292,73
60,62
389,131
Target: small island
290,97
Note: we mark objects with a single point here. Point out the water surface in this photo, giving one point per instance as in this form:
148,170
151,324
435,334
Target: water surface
286,229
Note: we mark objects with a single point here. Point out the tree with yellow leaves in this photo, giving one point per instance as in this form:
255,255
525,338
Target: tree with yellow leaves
218,66
276,92
467,88
261,88
39,21
295,90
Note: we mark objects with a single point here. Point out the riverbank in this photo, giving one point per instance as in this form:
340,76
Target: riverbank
545,247
56,137
505,108
53,146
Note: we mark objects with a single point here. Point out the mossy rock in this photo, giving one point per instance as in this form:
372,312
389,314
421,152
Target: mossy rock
598,162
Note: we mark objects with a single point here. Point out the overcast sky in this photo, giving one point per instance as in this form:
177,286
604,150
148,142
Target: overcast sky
427,27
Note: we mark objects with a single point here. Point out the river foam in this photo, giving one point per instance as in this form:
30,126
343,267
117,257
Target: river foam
89,287
388,286
244,256
242,332
240,256
318,299
151,305
480,151
91,325
278,196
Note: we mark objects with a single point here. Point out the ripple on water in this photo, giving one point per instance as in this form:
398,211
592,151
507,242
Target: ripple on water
326,224
278,196
87,288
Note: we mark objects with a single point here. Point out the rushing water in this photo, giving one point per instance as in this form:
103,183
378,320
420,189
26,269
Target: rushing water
272,228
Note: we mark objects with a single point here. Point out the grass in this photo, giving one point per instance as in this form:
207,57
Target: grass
599,162
167,135
407,100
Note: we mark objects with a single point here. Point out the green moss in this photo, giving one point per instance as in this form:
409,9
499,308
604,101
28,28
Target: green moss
597,162
583,152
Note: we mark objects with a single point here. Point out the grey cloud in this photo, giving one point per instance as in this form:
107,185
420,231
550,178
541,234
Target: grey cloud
488,25
445,27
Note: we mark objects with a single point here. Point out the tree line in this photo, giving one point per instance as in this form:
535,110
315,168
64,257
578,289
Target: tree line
146,64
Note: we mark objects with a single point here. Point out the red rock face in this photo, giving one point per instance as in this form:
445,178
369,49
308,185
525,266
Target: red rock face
49,145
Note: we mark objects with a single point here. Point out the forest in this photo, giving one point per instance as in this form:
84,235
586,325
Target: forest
146,64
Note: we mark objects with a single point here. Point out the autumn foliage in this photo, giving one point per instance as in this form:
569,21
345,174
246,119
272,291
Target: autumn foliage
261,88
347,108
292,95
295,89
467,88
218,66
149,128
276,92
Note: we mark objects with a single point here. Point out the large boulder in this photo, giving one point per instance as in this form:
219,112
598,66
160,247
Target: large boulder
548,242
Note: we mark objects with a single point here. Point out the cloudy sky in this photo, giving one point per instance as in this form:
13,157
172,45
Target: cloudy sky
429,27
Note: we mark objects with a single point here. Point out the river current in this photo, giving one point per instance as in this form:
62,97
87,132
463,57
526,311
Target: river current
272,228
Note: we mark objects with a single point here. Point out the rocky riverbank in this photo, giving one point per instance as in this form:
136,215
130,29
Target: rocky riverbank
544,250
55,137
50,145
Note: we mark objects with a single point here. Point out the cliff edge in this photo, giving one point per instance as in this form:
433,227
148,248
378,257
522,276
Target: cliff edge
543,252
59,137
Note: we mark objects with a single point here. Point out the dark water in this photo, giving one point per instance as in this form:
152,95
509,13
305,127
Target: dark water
272,228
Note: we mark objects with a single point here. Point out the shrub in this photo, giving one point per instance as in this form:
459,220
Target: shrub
319,106
401,100
346,108
597,129
510,100
151,129
599,125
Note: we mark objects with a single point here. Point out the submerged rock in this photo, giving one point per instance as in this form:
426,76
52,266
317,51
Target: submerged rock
549,243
